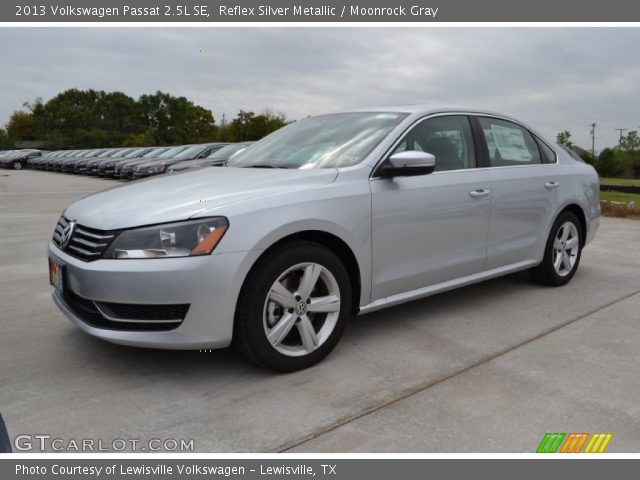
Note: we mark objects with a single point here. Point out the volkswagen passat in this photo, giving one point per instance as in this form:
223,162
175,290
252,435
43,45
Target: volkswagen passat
333,215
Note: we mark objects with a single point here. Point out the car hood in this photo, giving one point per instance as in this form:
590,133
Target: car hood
178,197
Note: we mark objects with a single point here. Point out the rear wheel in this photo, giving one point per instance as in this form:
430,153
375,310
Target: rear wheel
17,165
293,307
562,252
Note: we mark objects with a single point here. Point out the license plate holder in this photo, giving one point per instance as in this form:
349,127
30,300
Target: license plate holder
56,275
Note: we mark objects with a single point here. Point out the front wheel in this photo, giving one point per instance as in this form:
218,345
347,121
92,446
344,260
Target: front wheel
293,307
17,165
562,252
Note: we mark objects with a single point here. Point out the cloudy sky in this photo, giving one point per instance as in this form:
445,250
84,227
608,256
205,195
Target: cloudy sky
554,78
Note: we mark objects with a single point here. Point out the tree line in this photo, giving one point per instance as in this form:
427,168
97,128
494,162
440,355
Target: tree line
95,118
620,161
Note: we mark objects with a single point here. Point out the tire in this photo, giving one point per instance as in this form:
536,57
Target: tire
278,328
554,271
17,165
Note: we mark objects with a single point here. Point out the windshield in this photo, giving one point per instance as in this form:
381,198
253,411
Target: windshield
135,153
326,141
121,153
108,153
155,152
190,152
172,152
226,152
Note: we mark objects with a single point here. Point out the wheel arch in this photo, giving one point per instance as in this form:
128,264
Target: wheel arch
333,243
578,211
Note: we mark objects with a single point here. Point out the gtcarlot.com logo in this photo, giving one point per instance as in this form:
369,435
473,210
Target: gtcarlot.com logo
49,443
574,443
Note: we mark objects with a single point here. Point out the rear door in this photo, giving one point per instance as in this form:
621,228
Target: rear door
524,185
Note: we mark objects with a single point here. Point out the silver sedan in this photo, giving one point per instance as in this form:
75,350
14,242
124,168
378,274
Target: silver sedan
332,216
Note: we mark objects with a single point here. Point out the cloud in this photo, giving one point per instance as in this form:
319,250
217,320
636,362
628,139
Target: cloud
554,78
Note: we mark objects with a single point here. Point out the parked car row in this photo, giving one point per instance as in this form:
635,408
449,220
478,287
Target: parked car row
124,163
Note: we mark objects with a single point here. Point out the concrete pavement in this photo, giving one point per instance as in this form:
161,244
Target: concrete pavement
487,368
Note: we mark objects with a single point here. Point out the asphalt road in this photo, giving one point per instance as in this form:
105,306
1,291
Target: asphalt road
488,368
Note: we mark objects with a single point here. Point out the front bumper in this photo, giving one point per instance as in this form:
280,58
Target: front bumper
208,284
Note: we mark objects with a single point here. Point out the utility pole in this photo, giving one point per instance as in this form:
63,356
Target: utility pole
593,140
621,130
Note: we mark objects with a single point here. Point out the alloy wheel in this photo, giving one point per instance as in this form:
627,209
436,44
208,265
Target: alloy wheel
566,247
302,309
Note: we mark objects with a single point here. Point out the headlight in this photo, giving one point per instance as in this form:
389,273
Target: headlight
181,239
156,169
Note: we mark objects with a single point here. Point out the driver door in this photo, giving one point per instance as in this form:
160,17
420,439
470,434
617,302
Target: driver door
429,229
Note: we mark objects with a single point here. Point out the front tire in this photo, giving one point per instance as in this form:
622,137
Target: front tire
17,165
293,307
562,253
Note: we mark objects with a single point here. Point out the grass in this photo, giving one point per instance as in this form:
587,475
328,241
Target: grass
612,210
628,182
621,197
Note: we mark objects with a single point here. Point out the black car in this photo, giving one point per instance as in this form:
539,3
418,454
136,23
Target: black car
56,165
158,166
18,160
124,171
80,166
94,164
107,168
215,159
67,165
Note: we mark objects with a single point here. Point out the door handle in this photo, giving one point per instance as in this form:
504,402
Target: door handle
551,185
479,193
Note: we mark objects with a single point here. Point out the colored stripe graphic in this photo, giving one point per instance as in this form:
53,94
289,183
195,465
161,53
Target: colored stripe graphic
598,443
550,442
574,443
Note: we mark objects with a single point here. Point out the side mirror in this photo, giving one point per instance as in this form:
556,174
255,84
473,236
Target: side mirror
408,164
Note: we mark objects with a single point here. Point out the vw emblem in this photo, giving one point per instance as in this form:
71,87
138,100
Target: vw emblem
301,309
66,234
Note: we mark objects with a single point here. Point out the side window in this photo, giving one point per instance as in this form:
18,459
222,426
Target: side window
548,155
508,144
448,138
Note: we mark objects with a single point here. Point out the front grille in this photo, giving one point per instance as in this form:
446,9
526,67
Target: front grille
125,316
85,243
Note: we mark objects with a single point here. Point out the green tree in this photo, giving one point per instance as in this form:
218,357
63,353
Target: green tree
564,138
175,120
145,139
5,141
91,118
607,163
21,126
85,119
248,126
629,154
